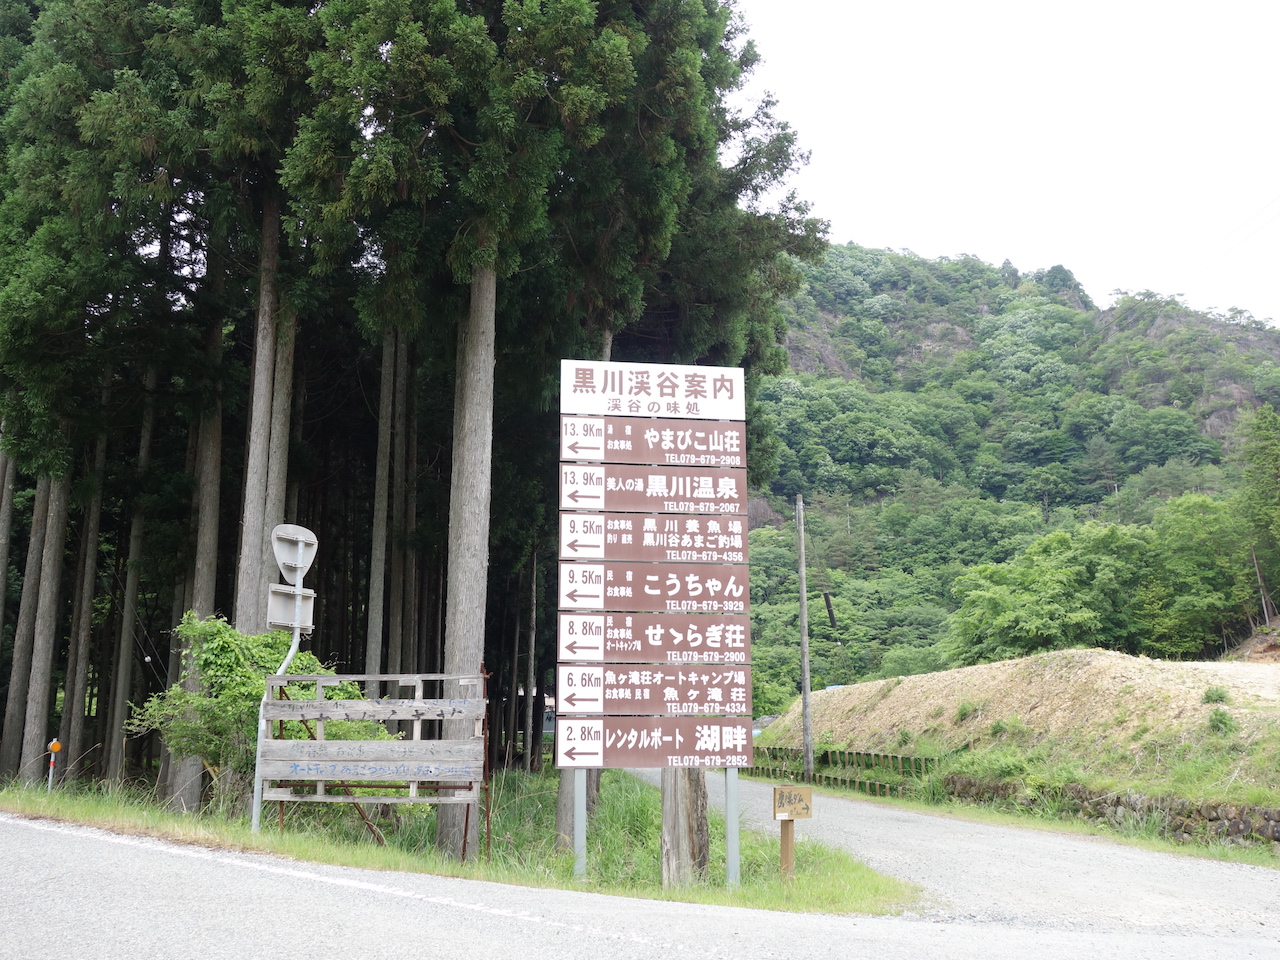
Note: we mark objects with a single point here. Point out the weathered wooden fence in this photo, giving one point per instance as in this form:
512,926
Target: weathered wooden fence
413,769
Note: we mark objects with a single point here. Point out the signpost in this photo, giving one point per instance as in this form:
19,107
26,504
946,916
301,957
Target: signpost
789,805
411,770
611,742
653,637
652,538
654,587
672,442
644,489
619,689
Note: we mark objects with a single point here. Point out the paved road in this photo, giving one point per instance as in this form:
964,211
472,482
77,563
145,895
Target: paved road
71,892
1036,878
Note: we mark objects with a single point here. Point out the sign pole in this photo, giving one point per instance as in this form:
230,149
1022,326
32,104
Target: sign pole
789,805
788,857
54,747
303,542
732,858
806,708
579,822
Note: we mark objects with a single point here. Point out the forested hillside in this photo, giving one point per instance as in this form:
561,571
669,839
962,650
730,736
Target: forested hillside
994,466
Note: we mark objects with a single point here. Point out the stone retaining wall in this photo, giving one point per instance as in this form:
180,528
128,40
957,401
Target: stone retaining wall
1178,819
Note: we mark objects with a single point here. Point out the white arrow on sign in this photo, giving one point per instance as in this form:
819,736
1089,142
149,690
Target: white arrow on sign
581,488
580,743
582,438
579,689
580,637
581,586
581,536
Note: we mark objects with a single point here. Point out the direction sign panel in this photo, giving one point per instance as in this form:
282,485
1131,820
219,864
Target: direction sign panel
653,742
653,538
653,587
646,489
654,638
600,388
619,689
672,442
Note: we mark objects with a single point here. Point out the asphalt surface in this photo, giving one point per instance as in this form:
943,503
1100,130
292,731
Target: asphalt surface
72,892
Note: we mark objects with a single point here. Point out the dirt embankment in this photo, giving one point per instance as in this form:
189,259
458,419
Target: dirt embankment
1063,693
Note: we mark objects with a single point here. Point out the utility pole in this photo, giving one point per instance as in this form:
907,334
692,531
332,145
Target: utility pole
805,705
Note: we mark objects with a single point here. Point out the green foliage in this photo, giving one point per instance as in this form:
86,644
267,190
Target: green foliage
994,466
1221,723
1066,590
1214,694
218,722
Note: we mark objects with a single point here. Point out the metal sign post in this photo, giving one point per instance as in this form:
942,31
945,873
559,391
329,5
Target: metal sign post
54,747
295,550
654,637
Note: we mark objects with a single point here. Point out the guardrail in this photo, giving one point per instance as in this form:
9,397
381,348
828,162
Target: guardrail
845,769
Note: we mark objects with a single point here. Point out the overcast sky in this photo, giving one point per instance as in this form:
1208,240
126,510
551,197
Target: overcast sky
1132,142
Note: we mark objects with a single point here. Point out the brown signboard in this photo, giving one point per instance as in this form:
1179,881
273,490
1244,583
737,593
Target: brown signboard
619,689
653,537
599,388
792,803
652,489
654,587
654,638
699,742
681,443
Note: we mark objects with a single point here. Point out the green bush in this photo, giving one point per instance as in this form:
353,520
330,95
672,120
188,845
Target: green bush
218,721
1221,722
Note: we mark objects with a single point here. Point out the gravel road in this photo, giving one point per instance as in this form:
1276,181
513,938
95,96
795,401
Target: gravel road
75,892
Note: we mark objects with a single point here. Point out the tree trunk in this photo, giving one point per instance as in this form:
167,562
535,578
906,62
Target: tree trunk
513,696
412,580
123,679
186,774
469,520
6,529
686,842
278,448
250,601
378,550
36,733
399,491
532,736
73,704
15,710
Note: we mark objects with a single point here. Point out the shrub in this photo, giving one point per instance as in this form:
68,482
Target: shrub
1221,722
1214,695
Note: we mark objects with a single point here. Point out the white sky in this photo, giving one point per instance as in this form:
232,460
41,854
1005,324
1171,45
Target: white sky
1132,142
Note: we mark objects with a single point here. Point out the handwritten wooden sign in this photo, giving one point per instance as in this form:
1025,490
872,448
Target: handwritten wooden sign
792,803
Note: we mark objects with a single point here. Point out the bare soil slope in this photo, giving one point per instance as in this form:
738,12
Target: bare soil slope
1063,693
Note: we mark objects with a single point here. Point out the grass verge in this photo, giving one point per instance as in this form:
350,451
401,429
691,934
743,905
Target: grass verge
622,857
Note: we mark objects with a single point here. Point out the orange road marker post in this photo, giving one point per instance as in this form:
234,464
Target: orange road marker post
54,747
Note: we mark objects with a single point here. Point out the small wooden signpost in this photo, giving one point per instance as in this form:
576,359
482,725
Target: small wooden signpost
789,805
